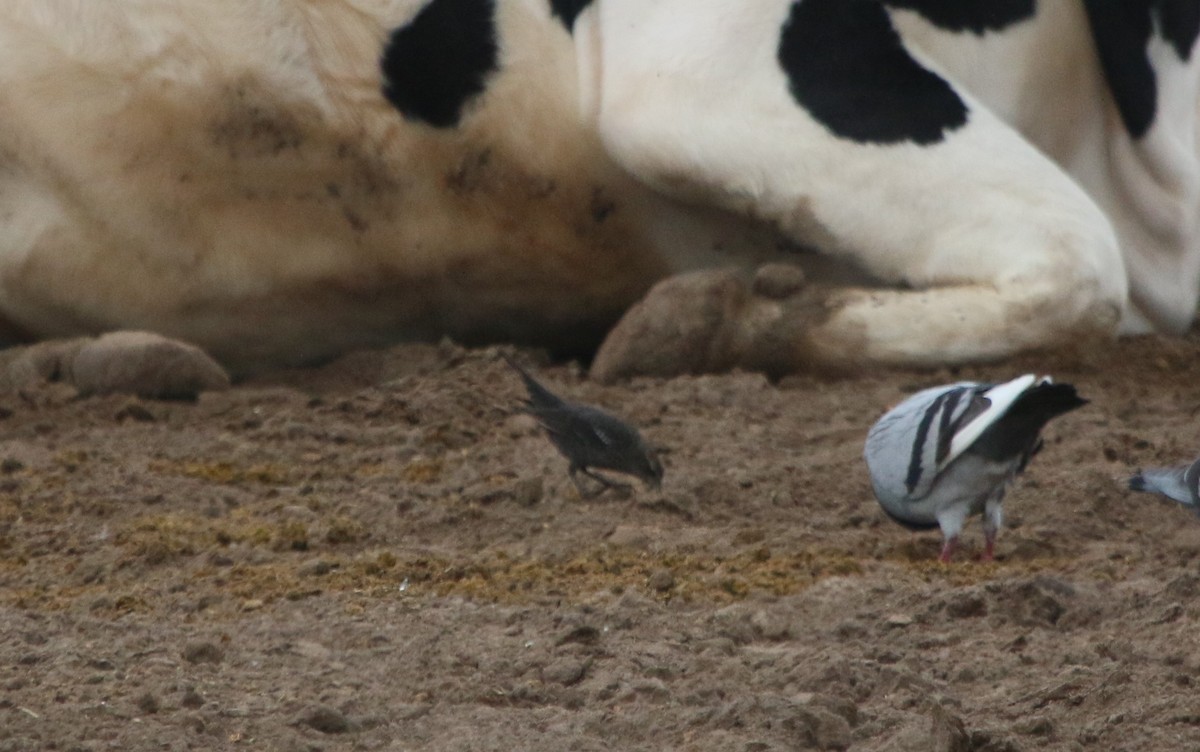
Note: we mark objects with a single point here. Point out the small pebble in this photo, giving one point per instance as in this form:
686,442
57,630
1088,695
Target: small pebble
148,703
325,719
315,568
191,698
202,652
528,492
135,411
566,672
661,580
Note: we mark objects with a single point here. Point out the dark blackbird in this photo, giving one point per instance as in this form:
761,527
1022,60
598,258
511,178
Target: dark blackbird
590,438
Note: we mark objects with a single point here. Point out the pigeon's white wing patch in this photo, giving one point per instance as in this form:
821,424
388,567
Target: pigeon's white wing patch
903,447
1001,398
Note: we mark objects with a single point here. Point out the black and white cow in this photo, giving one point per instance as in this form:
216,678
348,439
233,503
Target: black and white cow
280,180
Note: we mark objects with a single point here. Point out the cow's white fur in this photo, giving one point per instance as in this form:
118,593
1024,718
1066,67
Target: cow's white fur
228,173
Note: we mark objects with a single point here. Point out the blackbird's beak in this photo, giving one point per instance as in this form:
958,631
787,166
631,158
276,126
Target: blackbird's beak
654,478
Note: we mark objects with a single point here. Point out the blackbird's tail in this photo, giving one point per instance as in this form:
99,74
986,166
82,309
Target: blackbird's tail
540,398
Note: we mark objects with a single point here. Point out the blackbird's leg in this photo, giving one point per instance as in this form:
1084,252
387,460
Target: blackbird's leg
608,483
605,483
584,491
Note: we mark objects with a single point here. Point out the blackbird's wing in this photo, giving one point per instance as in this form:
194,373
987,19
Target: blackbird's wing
588,437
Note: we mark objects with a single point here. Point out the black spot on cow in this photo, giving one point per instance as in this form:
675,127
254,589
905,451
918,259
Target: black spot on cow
1179,24
568,10
848,68
1122,30
976,16
433,66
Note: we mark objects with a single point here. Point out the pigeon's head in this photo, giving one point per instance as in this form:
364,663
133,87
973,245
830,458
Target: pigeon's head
649,468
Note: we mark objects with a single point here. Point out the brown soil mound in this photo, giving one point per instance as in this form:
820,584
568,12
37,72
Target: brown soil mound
379,554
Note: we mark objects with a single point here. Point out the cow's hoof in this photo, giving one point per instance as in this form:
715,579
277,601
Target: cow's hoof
145,364
27,366
778,281
682,326
710,321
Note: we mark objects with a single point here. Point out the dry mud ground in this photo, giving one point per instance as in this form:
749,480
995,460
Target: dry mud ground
378,555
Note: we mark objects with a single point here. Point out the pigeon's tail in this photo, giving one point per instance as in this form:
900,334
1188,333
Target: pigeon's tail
1016,432
1138,483
1047,400
540,398
1178,483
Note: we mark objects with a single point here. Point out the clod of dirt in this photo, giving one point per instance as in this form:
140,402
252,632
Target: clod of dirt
202,652
966,605
661,580
148,703
528,492
585,635
770,625
327,720
135,411
316,567
948,732
829,731
566,671
1040,601
195,723
191,698
1185,586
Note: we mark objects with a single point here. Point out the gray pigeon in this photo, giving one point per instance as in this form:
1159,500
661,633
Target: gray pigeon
1181,483
590,438
950,452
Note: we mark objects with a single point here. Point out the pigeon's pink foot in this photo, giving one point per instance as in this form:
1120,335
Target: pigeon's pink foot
948,550
989,550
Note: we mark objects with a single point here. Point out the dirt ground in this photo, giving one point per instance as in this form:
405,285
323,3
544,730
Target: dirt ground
379,555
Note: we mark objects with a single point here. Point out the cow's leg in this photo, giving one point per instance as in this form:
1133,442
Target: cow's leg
984,246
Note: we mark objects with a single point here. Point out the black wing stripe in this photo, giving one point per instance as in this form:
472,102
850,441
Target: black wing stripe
914,463
949,423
